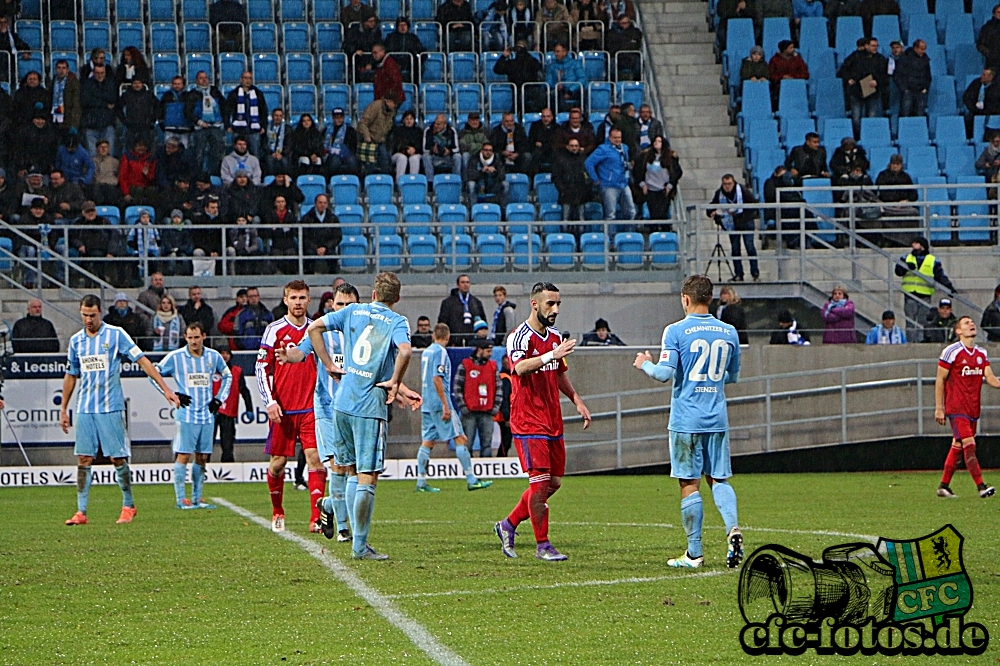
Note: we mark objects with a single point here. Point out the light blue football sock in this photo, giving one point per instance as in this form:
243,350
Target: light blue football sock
125,483
197,483
180,477
364,505
462,452
691,516
725,501
328,500
423,459
350,493
83,479
338,484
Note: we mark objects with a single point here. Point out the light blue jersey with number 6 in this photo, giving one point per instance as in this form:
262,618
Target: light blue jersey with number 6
372,335
704,354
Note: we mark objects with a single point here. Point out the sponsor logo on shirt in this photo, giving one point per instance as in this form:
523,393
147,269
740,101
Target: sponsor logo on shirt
664,355
94,363
966,371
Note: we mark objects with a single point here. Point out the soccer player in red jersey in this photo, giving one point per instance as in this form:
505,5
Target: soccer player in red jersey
537,356
287,390
961,370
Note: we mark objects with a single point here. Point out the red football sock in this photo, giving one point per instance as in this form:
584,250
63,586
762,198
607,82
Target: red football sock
520,512
950,463
317,486
276,484
972,463
538,509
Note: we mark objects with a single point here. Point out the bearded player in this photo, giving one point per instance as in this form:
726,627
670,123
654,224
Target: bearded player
287,390
961,370
537,357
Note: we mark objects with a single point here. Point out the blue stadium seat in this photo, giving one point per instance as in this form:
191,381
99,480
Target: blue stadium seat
351,218
326,10
96,35
274,94
628,249
164,37
740,36
33,63
763,165
162,10
364,94
595,65
545,190
500,99
468,98
260,10
131,34
822,63
390,9
631,91
792,99
491,249
378,189
197,37
593,211
462,67
959,160
352,253
833,130
31,32
62,36
429,34
849,31
329,37
452,217
794,131
973,218
112,213
949,130
965,61
295,37
913,132
448,188
412,189
921,26
560,250
941,97
263,38
756,103
663,248
231,68
132,213
940,215
816,198
433,67
524,245
775,30
519,217
311,187
125,10
875,132
344,190
813,34
518,184
298,68
417,218
457,250
199,62
194,10
333,68
829,98
878,158
293,10
885,29
383,218
602,96
165,67
593,250
422,249
761,133
266,68
921,161
336,96
434,99
486,218
93,10
489,59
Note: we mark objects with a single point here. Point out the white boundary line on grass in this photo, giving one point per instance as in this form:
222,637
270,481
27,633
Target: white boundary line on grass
380,602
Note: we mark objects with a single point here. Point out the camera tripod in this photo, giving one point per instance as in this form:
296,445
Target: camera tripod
718,257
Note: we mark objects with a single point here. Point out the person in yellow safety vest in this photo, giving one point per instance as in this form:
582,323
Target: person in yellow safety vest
913,268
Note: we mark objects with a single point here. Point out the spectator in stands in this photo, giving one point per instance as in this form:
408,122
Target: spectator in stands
625,39
98,102
912,75
276,135
241,159
981,98
870,98
940,327
228,13
894,175
460,38
9,201
521,20
246,113
197,310
609,168
340,144
355,12
401,40
601,336
846,158
12,44
754,67
205,110
75,162
133,66
207,240
576,128
871,8
358,45
90,240
569,175
37,145
921,271
176,241
459,310
227,323
283,186
105,190
773,9
168,326
738,222
243,241
485,178
886,333
788,332
204,191
730,310
991,318
421,338
789,216
504,319
387,74
279,235
305,147
481,330
173,163
65,198
785,64
323,239
838,313
657,172
988,162
510,141
144,240
138,110
442,153
478,393
177,197
566,78
554,19
731,9
988,41
612,119
407,145
32,187
805,9
629,125
173,122
137,175
589,33
244,199
649,127
135,323
251,321
97,57
34,334
374,127
65,107
37,225
808,160
521,68
30,94
540,142
493,26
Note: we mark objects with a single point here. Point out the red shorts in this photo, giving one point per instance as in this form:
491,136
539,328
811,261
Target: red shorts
541,453
962,427
281,436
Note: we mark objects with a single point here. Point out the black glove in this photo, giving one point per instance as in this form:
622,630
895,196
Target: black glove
184,399
214,405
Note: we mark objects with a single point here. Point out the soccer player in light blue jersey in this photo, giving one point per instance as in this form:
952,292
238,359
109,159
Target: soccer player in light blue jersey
95,358
194,368
701,354
376,353
438,422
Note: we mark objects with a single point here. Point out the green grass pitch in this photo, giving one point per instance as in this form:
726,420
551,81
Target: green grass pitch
211,587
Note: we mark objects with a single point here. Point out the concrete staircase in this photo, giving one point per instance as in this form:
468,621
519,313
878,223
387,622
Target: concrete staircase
696,109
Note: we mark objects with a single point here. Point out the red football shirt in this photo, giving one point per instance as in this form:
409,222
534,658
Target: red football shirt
534,399
967,368
290,385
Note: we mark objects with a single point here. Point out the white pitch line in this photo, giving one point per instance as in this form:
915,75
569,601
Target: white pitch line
380,602
747,528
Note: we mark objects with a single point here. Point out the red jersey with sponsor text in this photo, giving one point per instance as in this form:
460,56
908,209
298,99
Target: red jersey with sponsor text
290,385
967,369
534,399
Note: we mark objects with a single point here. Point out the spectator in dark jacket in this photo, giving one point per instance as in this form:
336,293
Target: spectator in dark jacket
305,147
540,138
511,143
754,67
37,145
173,162
576,127
10,43
785,64
845,158
283,186
340,143
789,216
788,332
940,324
988,162
569,175
251,322
197,310
441,150
208,238
894,175
138,109
135,324
913,78
738,221
323,239
625,36
730,311
354,12
243,200
601,336
30,94
358,44
521,67
808,160
460,310
65,197
91,239
99,100
34,334
453,11
387,74
485,177
871,8
400,41
988,41
407,145
982,98
991,318
281,237
173,122
864,65
230,36
133,66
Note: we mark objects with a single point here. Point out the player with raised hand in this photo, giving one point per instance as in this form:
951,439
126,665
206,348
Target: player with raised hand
537,357
193,368
700,354
439,423
957,389
95,358
287,390
376,353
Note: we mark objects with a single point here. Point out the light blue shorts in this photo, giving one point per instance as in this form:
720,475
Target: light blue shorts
702,454
433,427
194,438
106,431
327,442
362,441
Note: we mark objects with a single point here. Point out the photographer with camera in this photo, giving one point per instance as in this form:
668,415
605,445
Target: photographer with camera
737,221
